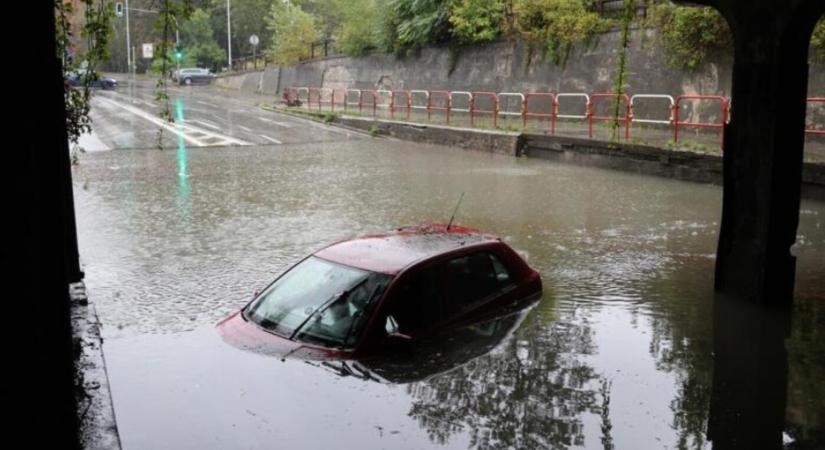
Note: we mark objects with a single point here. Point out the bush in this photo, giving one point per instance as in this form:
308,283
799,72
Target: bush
689,33
360,28
818,40
417,23
557,25
476,20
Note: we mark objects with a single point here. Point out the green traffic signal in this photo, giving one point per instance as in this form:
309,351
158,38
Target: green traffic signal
178,55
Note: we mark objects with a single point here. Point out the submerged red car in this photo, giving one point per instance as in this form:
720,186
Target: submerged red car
360,296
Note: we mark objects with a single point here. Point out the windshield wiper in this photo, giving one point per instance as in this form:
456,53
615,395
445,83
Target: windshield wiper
324,306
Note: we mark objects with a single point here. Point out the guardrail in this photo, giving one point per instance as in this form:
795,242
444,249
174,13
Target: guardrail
720,124
555,106
592,116
552,109
474,110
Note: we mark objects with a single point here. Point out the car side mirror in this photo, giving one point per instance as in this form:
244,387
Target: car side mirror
391,327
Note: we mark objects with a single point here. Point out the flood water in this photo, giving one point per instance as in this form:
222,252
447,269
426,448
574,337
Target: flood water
619,353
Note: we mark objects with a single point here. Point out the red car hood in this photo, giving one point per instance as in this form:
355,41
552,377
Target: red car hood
238,332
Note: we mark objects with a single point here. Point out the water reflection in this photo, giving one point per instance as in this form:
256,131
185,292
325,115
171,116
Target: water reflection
750,376
532,392
182,159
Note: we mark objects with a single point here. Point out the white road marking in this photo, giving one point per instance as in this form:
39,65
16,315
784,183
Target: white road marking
206,124
187,132
207,104
270,139
248,130
273,122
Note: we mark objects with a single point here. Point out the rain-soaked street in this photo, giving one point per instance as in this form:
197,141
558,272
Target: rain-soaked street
617,354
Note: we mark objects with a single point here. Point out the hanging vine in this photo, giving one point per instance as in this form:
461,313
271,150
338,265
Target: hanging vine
95,31
620,80
171,14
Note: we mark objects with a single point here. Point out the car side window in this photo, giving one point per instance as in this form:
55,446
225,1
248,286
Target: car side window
469,279
502,274
417,301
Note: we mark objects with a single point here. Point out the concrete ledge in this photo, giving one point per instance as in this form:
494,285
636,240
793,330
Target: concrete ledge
640,159
96,414
649,160
491,141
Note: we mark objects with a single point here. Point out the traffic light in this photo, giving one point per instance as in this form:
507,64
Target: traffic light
119,9
178,53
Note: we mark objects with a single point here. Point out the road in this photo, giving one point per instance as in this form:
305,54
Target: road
204,116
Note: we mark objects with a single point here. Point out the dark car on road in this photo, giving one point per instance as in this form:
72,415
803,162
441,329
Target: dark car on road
193,76
75,79
362,296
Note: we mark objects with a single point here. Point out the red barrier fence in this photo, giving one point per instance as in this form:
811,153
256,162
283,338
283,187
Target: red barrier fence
444,101
432,105
474,110
720,124
552,108
406,104
591,114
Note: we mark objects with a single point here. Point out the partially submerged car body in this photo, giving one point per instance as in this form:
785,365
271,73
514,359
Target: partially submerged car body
360,296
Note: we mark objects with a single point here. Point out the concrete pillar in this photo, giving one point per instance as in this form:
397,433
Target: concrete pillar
763,145
750,375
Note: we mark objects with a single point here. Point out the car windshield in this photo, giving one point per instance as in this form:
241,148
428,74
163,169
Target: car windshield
319,301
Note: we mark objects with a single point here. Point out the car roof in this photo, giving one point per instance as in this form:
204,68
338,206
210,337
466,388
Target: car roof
393,251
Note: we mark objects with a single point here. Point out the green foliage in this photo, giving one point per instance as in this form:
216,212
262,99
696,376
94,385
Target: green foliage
818,40
329,117
413,24
248,17
293,32
359,31
689,33
159,66
374,131
95,29
199,46
476,20
557,25
620,79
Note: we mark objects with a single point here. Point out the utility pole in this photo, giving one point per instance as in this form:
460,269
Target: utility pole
128,42
228,35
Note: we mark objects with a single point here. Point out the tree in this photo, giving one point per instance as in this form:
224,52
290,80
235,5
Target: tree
248,18
360,28
292,33
199,46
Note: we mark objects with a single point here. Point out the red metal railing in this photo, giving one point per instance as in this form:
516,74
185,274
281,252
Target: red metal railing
815,130
550,115
395,104
724,105
445,105
476,111
545,105
591,114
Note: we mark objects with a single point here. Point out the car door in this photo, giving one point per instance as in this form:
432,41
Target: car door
415,305
474,283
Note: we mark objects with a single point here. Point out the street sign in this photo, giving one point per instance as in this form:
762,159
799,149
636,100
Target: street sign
148,51
254,39
119,9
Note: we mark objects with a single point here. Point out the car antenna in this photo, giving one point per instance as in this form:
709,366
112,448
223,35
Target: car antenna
455,211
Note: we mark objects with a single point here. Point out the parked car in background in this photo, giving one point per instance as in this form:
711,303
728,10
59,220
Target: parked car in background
367,295
193,76
103,82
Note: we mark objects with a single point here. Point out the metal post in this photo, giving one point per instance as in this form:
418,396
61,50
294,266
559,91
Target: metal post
228,34
177,42
128,42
